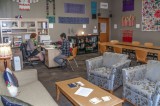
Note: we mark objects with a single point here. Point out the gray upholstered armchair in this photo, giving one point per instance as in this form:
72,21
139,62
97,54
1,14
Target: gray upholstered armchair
141,84
106,71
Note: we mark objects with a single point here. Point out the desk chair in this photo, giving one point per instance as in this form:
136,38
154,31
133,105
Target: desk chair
27,58
72,57
141,56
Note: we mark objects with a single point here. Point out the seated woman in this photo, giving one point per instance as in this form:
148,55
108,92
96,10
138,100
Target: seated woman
32,47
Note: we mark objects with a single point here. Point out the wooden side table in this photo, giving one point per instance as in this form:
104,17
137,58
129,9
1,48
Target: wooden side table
2,64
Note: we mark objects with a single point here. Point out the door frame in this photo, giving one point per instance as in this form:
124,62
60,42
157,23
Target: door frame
108,27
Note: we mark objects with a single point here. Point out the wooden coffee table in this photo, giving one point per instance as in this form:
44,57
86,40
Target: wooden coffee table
62,87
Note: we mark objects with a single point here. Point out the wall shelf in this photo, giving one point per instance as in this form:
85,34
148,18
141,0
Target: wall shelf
21,27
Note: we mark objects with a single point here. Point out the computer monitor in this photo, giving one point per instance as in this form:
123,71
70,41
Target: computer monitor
44,38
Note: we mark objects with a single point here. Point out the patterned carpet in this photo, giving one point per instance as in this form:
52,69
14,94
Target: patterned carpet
48,77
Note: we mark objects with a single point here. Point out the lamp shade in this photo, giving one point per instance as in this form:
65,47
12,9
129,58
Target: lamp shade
5,51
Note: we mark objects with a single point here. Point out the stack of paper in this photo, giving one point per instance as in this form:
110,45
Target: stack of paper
95,100
106,98
82,91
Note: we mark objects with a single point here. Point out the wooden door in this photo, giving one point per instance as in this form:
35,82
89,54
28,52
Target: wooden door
103,27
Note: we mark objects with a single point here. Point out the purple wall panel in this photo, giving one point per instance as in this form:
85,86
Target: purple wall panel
74,8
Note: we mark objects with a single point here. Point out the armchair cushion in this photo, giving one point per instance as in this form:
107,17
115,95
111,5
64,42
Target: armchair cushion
142,87
110,59
101,72
11,101
153,70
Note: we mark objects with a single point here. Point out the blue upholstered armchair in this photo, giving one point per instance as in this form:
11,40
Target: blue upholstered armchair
141,84
106,71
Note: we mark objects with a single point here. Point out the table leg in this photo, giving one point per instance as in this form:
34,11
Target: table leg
58,92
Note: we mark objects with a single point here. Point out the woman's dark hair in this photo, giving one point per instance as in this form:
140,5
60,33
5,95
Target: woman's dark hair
33,35
63,35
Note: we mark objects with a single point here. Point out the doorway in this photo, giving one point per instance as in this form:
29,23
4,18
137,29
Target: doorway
103,28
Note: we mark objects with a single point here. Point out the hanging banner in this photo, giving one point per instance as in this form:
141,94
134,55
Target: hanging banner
94,9
128,5
24,5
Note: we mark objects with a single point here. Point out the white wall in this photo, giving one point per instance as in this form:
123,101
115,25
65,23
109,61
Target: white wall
9,9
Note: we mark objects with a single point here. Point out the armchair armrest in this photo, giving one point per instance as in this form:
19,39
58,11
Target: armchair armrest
156,94
121,65
93,63
133,73
26,76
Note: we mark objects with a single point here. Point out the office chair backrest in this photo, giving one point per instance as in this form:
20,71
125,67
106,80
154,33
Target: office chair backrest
24,50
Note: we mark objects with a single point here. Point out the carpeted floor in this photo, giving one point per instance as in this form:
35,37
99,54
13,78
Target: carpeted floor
48,77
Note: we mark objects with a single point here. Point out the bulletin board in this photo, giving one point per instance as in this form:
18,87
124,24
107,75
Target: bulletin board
150,15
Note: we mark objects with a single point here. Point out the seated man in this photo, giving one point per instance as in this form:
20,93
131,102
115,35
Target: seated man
65,51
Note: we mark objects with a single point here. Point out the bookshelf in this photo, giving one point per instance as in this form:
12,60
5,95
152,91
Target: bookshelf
85,44
16,30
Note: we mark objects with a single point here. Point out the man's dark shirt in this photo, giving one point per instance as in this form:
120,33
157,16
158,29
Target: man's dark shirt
65,48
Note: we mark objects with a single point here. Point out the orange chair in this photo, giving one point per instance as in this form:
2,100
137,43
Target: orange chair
117,50
101,48
135,43
141,56
152,55
148,44
72,57
114,41
132,52
158,56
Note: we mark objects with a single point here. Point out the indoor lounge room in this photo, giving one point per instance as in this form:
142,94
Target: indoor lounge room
79,53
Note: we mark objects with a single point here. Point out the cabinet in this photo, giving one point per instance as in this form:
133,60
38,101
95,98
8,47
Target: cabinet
85,44
18,30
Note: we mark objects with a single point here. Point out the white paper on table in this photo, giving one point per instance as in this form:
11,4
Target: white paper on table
80,83
106,98
95,100
82,91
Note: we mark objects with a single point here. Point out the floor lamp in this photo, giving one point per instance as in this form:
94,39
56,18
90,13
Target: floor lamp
5,53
